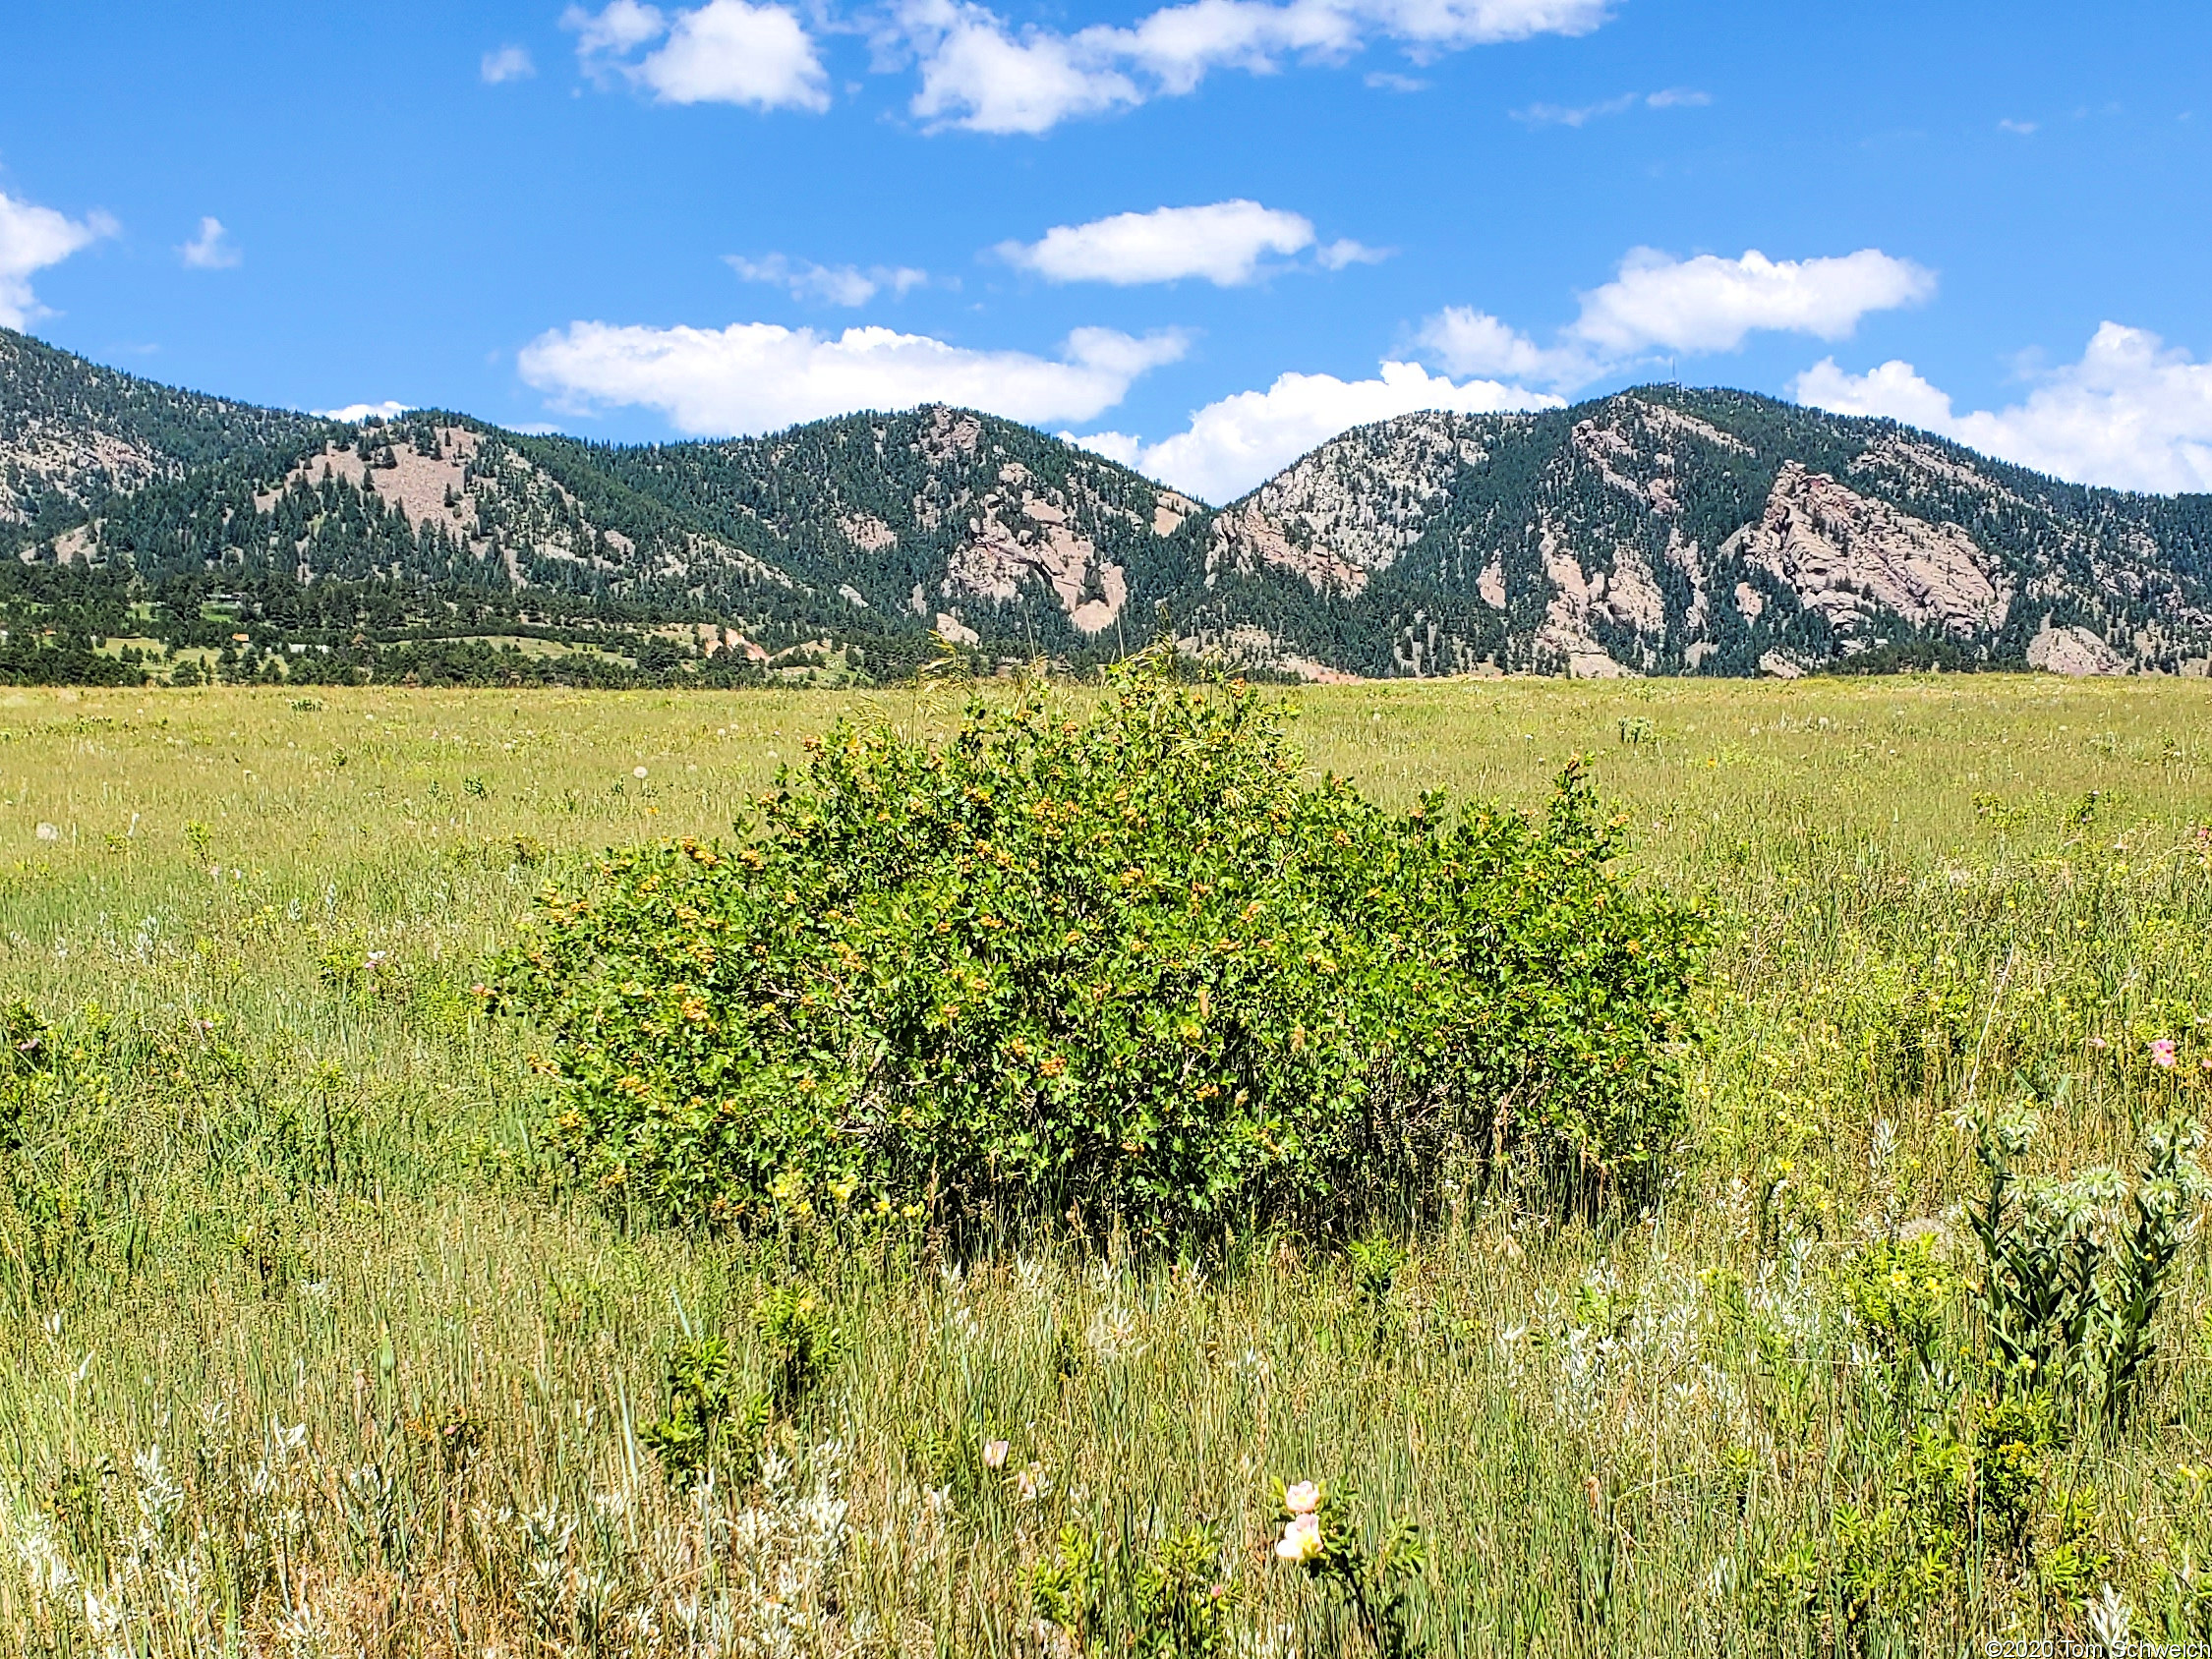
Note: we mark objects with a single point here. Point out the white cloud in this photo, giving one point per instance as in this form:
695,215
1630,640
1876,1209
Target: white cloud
975,74
1383,80
1573,115
1658,303
2019,129
1709,304
1466,341
731,52
979,75
508,63
31,238
1704,304
1238,443
1123,448
726,52
1894,391
211,249
2133,413
1345,253
353,412
1223,243
755,376
623,26
828,285
1579,115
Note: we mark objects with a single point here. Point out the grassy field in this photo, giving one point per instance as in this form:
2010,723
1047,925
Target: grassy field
309,1351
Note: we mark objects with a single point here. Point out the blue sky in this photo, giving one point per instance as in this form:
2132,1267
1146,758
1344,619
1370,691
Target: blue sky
630,222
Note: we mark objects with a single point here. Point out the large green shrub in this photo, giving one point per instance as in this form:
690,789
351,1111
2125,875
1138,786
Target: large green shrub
1125,969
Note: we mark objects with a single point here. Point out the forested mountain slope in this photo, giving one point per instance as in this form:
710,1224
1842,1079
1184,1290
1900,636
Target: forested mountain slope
1672,530
72,432
1657,531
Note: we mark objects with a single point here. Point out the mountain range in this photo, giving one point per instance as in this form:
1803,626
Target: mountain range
1664,529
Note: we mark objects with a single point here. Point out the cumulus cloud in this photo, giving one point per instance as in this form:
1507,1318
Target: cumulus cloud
508,63
1580,115
1466,341
975,74
756,377
31,238
2132,414
211,249
727,51
827,285
1224,242
1236,443
1894,391
1709,304
356,412
1658,303
980,74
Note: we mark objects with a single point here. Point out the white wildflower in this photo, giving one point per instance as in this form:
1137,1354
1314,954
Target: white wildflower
43,1564
2109,1618
160,1496
1112,1334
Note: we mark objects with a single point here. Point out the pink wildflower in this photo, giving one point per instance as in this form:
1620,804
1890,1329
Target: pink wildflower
1302,1538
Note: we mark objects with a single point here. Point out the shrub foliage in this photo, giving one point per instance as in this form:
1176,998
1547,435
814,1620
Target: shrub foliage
1132,968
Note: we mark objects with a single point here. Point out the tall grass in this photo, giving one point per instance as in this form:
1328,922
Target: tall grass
280,1210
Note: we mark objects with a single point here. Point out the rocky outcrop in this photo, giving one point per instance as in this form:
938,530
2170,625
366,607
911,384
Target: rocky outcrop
867,532
1563,642
1171,512
2073,650
996,561
1854,558
46,458
949,434
1026,534
1247,542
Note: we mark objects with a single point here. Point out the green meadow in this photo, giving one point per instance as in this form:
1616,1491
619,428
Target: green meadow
315,1347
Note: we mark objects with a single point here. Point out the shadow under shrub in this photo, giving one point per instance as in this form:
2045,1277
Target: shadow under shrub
1125,968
